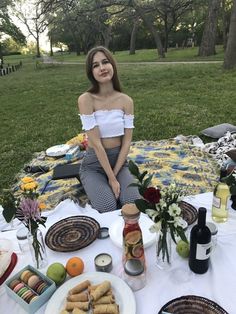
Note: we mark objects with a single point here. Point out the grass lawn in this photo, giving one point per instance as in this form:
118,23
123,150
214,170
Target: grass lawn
39,106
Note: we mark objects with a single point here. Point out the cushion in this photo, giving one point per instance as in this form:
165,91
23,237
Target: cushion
232,154
219,130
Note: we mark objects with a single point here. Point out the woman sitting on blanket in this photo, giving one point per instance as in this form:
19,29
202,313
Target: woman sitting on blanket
107,117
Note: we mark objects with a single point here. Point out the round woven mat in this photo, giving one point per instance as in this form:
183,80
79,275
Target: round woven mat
72,233
189,212
192,304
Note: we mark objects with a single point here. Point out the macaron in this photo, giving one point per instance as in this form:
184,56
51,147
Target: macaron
13,283
29,297
18,287
35,288
26,294
21,291
35,297
26,274
33,280
41,287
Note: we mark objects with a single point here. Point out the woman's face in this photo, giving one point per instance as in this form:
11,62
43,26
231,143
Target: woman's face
102,68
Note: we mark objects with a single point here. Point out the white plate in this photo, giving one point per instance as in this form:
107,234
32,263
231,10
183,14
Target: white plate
116,228
57,150
122,292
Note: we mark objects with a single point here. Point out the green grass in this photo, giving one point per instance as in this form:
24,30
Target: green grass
150,55
39,107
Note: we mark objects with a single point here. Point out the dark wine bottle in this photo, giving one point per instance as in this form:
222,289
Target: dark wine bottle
200,244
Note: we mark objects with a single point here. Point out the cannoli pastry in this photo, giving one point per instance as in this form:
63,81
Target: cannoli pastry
93,287
80,287
100,290
108,299
80,305
78,311
80,297
64,312
106,308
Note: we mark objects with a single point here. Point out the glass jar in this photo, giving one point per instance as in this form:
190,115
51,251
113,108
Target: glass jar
214,230
22,239
133,250
37,248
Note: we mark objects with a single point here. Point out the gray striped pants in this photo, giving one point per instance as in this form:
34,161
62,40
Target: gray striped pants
96,186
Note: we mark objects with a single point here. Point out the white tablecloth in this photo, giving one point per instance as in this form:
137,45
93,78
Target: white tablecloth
218,284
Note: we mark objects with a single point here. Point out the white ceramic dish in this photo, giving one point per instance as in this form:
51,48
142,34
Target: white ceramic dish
116,228
57,150
122,292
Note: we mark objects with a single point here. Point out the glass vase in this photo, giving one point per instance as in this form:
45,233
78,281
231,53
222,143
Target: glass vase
37,248
163,249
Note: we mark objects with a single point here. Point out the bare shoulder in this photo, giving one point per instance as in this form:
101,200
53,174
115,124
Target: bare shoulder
85,103
127,103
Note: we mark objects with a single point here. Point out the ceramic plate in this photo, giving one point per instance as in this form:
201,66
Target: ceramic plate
57,150
123,294
116,228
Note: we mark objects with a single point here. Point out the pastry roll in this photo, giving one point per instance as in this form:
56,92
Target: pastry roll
108,299
78,311
100,290
64,312
80,287
80,305
80,297
93,287
106,308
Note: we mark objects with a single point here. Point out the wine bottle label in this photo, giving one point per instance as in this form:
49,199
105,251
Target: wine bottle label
203,251
216,202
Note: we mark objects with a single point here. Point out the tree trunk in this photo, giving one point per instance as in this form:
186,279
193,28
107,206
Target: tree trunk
51,50
152,29
133,37
1,58
165,33
230,54
38,55
207,47
224,26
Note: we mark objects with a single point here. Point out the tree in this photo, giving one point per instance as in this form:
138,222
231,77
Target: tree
8,27
230,54
207,47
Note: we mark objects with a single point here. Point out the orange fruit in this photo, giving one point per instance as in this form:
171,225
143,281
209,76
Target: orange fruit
74,266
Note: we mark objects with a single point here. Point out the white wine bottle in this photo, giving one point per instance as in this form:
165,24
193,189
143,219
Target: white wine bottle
221,197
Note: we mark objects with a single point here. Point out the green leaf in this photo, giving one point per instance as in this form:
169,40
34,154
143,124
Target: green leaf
182,235
133,168
142,205
142,176
147,182
135,184
9,214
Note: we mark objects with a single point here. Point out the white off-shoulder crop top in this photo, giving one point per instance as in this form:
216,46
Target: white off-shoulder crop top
111,123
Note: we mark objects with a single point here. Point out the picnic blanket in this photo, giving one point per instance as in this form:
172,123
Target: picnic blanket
175,159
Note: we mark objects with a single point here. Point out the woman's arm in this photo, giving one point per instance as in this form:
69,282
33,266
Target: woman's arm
94,139
127,138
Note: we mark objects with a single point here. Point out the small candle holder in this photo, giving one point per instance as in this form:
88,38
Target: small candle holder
103,262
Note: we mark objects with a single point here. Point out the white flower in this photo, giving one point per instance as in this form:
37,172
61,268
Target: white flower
156,227
179,222
152,213
174,210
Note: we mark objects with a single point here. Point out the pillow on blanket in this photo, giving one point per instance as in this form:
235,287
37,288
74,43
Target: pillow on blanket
232,154
219,130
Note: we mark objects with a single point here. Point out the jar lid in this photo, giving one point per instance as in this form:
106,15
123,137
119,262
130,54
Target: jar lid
134,267
130,210
22,233
213,228
103,233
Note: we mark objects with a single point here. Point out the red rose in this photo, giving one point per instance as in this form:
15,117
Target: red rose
152,195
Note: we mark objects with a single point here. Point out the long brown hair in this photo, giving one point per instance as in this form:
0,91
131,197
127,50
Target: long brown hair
89,69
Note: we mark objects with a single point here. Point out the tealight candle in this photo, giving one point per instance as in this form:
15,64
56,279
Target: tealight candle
103,262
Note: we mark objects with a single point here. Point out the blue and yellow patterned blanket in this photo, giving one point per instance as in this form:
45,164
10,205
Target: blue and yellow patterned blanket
169,160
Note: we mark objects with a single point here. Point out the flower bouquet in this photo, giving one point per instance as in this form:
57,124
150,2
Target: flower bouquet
162,206
230,180
27,209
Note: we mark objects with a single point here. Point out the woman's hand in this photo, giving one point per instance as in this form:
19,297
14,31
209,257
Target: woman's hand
115,185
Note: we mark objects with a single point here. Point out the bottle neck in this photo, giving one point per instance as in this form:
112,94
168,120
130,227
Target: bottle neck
201,217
